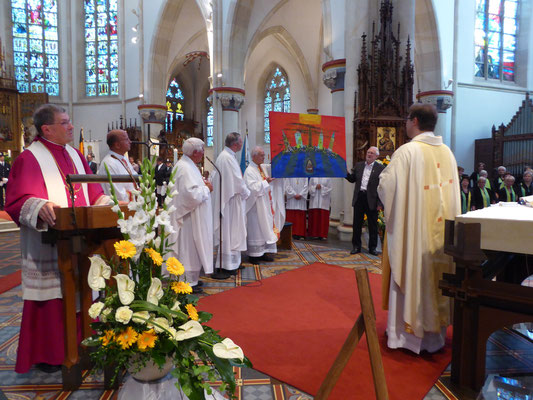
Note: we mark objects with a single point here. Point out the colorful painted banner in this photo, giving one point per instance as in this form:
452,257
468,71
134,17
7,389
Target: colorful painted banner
307,145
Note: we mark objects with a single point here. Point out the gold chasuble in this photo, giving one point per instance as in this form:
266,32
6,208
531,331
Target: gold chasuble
420,190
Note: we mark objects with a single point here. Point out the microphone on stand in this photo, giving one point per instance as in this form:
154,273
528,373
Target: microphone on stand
219,273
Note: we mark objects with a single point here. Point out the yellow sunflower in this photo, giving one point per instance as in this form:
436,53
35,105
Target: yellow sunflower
125,249
155,256
107,338
127,338
181,287
174,267
146,340
191,310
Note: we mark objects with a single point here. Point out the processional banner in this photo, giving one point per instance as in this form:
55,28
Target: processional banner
307,145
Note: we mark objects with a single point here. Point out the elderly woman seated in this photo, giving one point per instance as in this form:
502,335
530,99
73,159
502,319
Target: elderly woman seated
508,193
482,196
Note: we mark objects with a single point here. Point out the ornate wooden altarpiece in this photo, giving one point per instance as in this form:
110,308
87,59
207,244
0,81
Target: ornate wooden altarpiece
16,115
385,90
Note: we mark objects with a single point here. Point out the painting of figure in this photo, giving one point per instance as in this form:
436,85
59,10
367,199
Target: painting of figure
307,145
386,138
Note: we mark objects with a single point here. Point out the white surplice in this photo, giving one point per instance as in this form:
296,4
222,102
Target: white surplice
277,187
294,186
320,198
419,190
117,168
192,221
261,237
233,194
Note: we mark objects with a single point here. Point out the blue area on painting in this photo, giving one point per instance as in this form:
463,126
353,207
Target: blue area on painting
308,163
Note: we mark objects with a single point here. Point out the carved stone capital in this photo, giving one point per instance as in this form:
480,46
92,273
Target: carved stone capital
231,101
441,99
334,72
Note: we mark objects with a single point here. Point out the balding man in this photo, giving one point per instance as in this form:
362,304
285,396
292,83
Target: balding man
192,220
365,201
262,232
118,164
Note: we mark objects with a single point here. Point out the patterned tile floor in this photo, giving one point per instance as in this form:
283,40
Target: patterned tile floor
252,385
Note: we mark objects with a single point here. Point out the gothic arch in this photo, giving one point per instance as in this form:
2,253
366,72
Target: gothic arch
285,38
158,75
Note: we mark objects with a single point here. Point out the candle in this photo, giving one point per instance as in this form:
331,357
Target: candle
9,153
175,156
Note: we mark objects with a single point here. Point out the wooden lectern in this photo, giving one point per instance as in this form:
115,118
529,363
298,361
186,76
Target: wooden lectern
78,233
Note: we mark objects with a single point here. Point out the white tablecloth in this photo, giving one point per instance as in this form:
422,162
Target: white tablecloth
504,227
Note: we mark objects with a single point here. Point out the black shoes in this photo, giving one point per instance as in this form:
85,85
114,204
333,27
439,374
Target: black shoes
254,260
373,252
355,250
233,272
267,258
48,368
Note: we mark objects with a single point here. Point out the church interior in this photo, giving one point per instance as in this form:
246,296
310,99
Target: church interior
168,70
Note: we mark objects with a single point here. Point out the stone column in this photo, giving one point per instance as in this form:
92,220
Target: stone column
333,78
230,100
442,100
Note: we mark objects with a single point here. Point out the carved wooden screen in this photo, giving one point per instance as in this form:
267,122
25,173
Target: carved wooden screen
385,91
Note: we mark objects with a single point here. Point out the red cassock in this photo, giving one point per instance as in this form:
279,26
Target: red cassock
41,332
318,223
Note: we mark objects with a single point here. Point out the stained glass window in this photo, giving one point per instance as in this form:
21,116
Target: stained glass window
35,46
175,101
101,48
495,39
277,97
209,137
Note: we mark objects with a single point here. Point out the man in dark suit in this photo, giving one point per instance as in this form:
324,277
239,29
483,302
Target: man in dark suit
365,174
91,163
4,174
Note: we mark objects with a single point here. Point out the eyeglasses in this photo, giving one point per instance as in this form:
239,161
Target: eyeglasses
62,123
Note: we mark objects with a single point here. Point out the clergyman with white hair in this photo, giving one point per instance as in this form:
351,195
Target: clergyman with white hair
230,202
262,231
192,220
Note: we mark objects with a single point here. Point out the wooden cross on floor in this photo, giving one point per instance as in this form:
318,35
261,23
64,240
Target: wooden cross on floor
366,322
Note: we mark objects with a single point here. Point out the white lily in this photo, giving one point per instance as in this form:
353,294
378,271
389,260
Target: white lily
115,208
125,288
189,330
228,349
157,242
162,324
176,306
155,292
98,273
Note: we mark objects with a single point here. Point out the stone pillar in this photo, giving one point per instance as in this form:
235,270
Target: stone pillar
230,100
442,100
333,78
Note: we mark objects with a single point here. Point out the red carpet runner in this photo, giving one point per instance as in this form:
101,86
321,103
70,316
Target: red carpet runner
292,326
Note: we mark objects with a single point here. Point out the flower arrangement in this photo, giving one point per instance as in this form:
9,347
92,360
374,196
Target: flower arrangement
385,161
145,316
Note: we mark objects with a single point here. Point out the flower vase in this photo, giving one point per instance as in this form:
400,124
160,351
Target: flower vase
151,371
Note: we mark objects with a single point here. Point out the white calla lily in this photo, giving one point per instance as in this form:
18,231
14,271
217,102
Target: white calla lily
228,349
155,292
98,273
162,324
189,330
125,288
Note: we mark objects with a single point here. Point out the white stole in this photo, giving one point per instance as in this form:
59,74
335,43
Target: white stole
51,175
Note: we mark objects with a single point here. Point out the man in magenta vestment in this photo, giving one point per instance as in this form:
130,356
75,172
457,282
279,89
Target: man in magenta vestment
37,186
